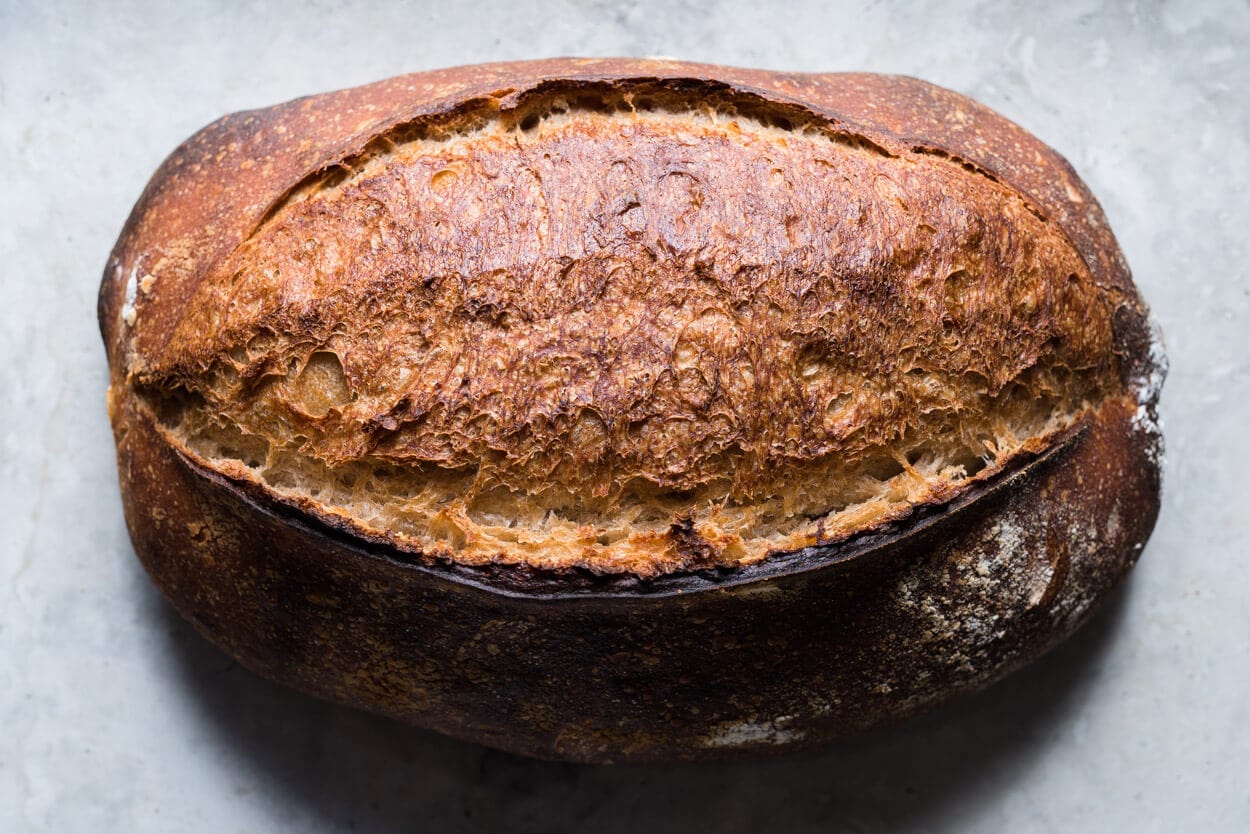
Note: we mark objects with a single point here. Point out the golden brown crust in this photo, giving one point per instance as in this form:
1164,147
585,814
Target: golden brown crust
689,292
949,580
220,184
636,297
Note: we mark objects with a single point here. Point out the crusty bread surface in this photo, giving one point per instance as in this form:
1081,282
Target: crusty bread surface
627,324
616,410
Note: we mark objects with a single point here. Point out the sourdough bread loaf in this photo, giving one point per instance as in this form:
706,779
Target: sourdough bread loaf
574,348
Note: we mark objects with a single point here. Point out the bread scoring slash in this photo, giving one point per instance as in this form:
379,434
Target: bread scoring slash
604,327
630,327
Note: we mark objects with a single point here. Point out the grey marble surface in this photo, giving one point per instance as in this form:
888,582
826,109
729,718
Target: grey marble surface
115,716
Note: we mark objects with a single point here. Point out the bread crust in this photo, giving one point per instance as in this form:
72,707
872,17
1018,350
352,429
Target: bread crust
220,184
948,596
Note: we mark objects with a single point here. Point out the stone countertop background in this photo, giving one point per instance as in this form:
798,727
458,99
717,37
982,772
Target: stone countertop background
116,716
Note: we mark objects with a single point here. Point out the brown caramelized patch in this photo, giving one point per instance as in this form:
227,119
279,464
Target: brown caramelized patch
643,339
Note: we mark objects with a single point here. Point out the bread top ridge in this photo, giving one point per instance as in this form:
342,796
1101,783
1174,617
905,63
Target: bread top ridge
628,316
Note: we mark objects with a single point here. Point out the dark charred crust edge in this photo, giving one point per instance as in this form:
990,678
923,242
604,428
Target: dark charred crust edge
342,621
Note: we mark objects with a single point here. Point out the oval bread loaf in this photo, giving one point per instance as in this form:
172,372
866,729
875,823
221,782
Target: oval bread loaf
624,410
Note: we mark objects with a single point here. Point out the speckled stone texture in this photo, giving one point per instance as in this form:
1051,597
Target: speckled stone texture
117,717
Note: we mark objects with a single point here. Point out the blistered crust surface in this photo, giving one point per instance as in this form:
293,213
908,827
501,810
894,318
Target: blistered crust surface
638,338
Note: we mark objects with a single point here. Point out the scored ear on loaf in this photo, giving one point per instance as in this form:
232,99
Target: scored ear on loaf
630,328
618,319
